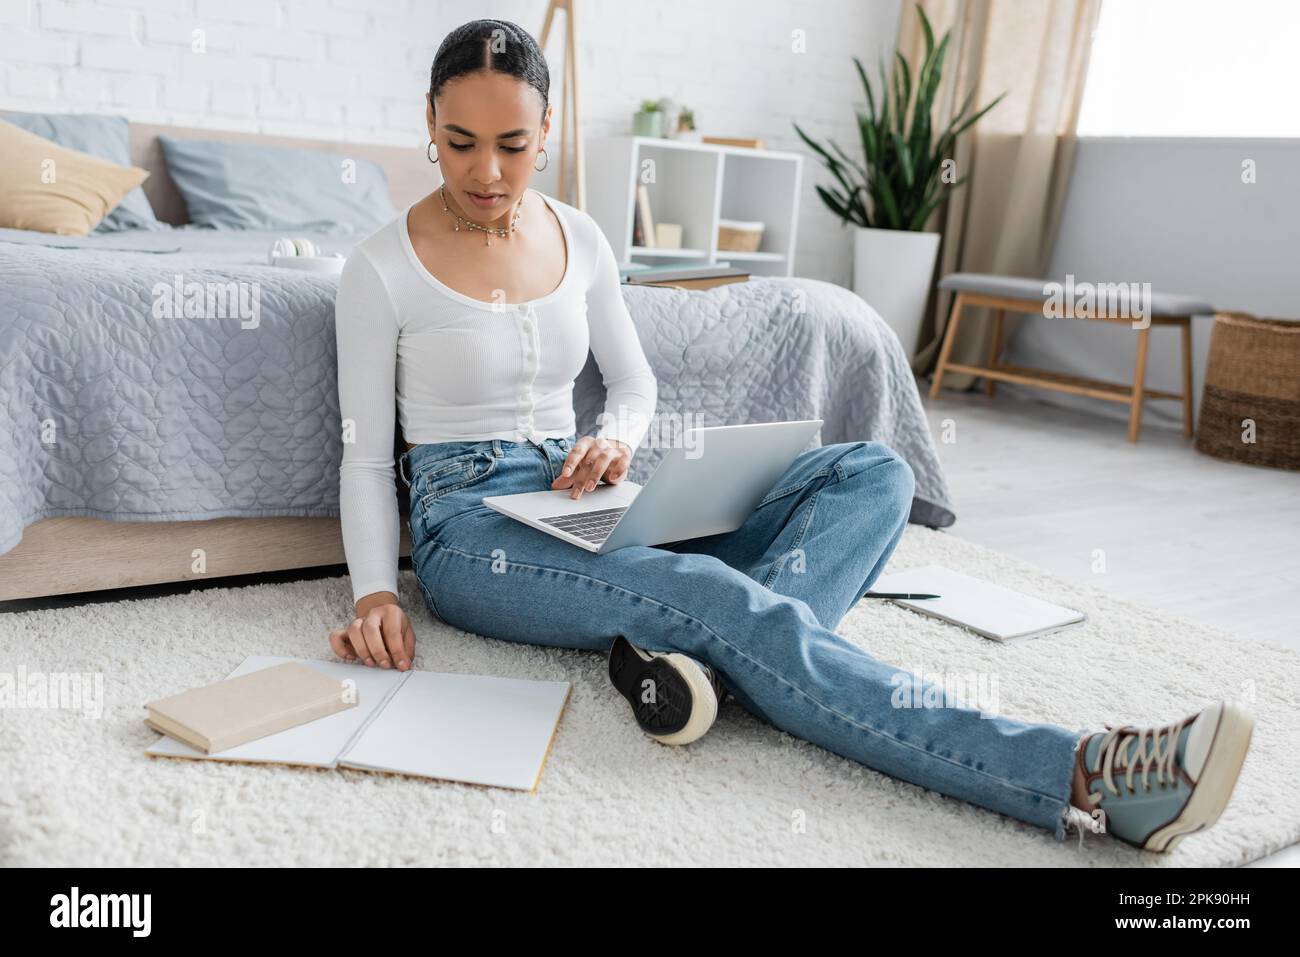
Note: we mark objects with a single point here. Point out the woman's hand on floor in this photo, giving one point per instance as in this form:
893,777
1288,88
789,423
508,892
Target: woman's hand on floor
591,460
381,634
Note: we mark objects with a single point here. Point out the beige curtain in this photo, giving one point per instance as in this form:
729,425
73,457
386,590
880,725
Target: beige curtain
1018,157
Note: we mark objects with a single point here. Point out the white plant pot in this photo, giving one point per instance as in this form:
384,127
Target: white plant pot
892,269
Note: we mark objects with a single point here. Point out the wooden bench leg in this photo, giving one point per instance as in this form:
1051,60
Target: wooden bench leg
1187,376
949,336
1139,384
995,349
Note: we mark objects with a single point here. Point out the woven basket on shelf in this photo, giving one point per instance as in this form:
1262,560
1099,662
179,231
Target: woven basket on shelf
1250,410
739,236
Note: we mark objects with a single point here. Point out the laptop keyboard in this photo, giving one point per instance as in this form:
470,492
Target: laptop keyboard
593,526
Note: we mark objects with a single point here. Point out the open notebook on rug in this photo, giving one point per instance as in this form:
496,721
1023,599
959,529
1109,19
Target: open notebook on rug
993,611
469,728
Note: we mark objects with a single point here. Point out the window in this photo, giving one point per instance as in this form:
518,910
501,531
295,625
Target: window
1221,68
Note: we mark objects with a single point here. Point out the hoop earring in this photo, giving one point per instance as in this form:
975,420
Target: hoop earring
546,164
432,159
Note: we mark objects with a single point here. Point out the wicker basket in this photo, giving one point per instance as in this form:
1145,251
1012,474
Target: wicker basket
739,236
1250,410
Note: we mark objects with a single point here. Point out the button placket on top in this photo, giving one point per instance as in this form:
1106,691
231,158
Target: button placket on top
530,347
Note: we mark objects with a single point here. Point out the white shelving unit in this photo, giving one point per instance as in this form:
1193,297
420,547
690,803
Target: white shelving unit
695,184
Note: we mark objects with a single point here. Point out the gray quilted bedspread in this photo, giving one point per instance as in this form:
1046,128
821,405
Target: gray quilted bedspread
769,350
108,409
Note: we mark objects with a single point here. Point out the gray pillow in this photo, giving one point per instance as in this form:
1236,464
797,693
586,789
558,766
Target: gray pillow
107,137
249,186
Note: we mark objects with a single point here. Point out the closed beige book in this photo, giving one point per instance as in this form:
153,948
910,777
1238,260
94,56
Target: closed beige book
237,710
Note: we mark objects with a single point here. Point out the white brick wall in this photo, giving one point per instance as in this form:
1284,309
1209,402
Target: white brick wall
357,69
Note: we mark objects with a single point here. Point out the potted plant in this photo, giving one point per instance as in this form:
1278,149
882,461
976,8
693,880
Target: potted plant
649,121
686,130
892,195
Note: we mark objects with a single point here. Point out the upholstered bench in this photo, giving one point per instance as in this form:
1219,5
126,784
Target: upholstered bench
1004,294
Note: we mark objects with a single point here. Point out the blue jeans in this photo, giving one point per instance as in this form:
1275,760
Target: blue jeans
759,604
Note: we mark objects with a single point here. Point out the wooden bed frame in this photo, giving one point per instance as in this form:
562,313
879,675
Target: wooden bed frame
60,556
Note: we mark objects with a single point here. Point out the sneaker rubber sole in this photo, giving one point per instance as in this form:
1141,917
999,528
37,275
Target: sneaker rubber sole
670,695
1214,787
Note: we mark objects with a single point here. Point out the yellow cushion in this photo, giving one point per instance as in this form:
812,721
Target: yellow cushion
51,189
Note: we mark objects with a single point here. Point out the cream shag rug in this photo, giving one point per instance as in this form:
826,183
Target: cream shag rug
79,791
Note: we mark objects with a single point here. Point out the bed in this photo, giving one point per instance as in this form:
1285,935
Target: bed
139,447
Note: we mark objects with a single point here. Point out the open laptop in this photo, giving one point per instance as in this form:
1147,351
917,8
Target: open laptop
710,484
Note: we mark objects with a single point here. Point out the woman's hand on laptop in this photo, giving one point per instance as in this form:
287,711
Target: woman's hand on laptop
591,460
381,634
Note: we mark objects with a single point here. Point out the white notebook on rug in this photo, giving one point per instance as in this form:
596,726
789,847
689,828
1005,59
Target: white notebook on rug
469,728
993,611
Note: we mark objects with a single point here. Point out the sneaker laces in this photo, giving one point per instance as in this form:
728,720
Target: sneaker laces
1113,755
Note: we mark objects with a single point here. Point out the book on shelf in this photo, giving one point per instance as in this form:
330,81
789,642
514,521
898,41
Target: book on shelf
745,141
643,227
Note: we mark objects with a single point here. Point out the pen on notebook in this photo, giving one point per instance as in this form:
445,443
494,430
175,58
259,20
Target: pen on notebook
898,595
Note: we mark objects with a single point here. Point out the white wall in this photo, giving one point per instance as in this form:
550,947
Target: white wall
357,69
1175,213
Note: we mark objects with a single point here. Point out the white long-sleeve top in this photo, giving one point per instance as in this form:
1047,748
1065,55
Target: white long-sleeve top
463,369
